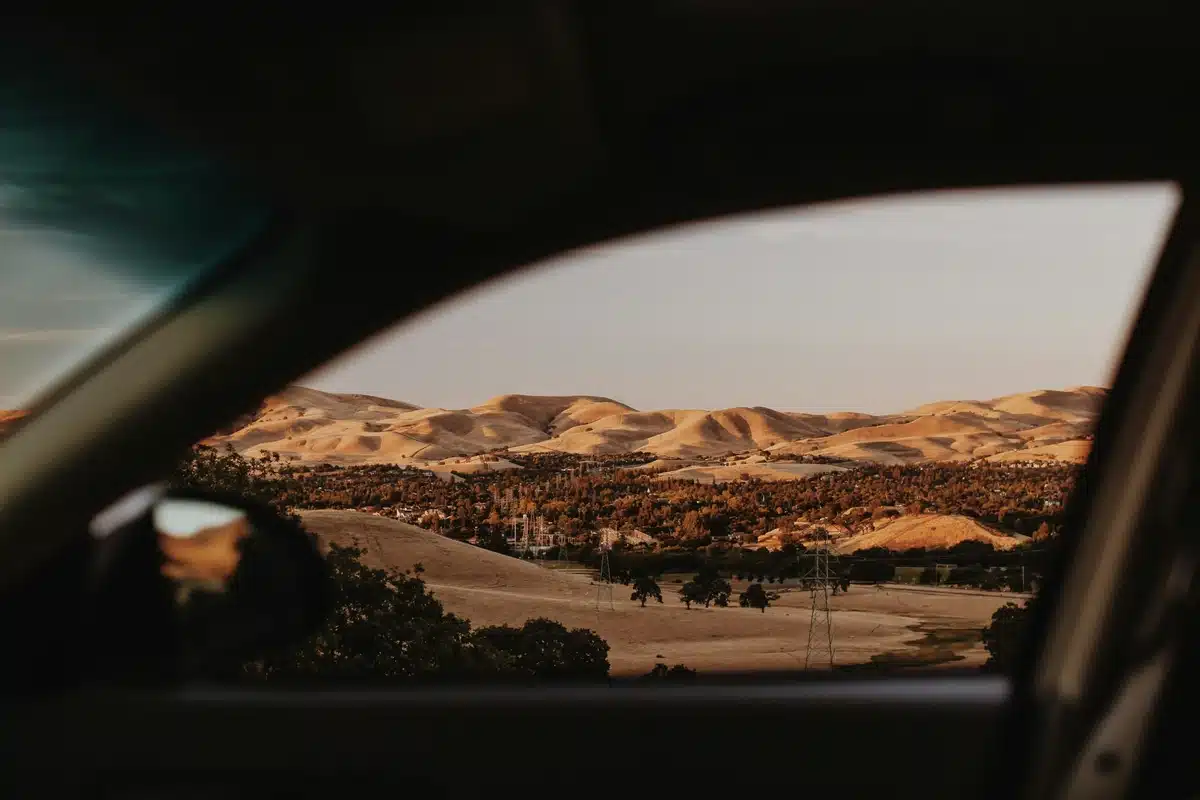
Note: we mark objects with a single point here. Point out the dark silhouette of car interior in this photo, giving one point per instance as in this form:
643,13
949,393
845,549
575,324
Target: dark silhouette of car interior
422,149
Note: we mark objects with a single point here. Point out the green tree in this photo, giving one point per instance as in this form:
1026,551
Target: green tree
644,588
544,650
693,592
382,625
692,526
493,538
718,592
386,626
228,472
1004,636
715,589
389,627
676,674
756,596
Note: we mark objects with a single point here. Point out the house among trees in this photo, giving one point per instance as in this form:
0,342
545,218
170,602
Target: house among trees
431,518
611,536
796,533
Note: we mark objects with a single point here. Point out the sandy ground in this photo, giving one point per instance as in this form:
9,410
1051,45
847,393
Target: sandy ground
885,627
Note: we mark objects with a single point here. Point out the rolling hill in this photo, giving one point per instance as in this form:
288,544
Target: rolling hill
312,426
929,531
394,545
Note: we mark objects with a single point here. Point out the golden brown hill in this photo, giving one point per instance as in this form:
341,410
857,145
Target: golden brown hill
553,414
308,425
931,531
839,421
683,433
397,545
618,433
1046,425
1079,404
1072,452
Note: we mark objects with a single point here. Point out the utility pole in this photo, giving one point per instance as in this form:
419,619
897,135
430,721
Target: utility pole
820,624
604,582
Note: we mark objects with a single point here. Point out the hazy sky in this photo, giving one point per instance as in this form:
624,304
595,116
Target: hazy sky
874,306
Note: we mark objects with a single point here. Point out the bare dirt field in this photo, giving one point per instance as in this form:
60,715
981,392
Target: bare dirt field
888,627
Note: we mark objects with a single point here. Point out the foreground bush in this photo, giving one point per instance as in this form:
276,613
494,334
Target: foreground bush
387,626
1004,636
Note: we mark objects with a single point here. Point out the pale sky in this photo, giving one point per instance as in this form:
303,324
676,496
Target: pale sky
875,306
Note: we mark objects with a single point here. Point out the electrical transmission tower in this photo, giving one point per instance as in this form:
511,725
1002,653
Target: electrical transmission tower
604,582
820,625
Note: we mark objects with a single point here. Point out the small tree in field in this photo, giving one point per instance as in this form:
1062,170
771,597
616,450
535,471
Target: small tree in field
692,592
756,596
645,588
716,590
676,674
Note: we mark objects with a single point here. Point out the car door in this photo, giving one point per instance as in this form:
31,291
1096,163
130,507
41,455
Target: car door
115,423
421,722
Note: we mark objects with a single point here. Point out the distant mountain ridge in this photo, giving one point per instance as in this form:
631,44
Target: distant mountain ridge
313,426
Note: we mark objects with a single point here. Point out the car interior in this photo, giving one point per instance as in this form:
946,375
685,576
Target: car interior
420,150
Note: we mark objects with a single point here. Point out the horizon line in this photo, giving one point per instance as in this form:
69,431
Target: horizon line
781,409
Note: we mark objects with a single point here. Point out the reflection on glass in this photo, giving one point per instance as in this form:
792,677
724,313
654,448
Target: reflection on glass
200,542
187,518
103,221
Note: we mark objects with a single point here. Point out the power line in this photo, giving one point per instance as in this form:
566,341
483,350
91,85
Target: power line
604,582
820,624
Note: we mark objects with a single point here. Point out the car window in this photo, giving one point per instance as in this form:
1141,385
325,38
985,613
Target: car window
834,438
103,221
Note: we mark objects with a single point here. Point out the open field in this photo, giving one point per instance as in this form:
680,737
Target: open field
888,626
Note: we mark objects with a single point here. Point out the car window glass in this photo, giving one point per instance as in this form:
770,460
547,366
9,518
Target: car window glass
834,438
104,220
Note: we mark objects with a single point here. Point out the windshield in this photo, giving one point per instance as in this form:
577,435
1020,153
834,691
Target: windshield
103,222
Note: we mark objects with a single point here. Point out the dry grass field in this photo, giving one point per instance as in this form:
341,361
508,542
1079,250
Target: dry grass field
889,627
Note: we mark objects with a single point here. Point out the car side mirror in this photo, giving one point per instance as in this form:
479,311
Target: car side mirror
190,584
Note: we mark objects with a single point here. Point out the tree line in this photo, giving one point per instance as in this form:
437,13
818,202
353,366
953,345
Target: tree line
1016,499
